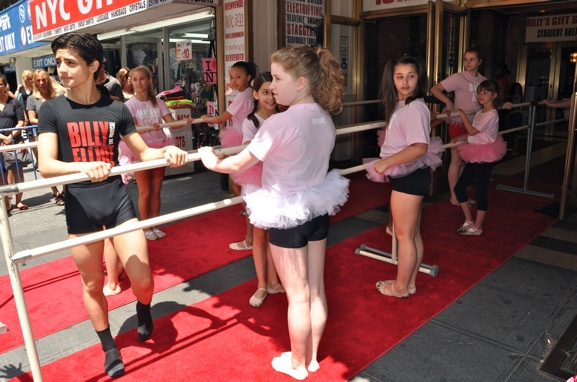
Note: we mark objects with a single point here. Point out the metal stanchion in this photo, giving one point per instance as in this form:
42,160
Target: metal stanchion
525,189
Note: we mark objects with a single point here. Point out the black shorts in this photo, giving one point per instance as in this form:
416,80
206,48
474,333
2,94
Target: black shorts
91,206
299,236
415,183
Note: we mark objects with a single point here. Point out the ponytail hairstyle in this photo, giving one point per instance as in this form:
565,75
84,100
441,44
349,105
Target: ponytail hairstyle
150,94
321,70
388,91
249,68
256,85
494,87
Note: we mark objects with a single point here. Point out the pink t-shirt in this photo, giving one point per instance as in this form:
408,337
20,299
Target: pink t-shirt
295,147
409,124
146,115
239,108
465,87
488,125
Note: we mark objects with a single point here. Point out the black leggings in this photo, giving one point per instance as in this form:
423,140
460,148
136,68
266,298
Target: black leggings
481,173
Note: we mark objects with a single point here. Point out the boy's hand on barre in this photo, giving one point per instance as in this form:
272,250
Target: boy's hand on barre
96,171
175,156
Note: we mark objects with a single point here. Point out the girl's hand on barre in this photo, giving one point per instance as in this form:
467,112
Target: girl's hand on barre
380,166
187,121
507,105
175,156
156,126
436,121
96,171
208,157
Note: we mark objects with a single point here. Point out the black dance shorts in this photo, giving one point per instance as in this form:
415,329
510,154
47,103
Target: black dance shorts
91,206
299,236
415,183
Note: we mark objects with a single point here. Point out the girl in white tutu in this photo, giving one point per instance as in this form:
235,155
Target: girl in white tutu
408,154
483,146
297,194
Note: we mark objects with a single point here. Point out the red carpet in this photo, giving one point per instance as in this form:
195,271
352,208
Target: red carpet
364,195
222,338
54,290
193,247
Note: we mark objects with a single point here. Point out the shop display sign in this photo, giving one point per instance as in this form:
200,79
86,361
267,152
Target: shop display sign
552,28
155,3
304,22
16,29
51,18
234,32
209,71
234,39
43,62
183,51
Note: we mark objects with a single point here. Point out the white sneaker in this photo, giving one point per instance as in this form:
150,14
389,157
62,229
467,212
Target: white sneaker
159,234
150,235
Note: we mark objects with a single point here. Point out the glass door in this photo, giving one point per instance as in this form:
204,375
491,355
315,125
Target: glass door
550,75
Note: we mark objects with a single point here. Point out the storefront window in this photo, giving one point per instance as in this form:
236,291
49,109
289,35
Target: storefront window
188,45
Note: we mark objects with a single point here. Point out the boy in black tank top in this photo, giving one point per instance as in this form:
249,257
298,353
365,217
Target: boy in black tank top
80,133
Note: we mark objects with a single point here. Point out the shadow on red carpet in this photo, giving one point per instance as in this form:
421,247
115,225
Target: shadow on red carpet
193,247
223,338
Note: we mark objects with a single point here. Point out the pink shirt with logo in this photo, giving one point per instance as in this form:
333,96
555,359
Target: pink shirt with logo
465,87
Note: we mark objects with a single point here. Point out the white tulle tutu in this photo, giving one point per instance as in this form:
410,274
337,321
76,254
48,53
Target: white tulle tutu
252,175
484,153
431,159
272,210
127,157
230,137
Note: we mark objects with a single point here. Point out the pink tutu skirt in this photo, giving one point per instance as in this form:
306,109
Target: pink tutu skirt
381,133
230,137
252,175
484,153
273,210
126,156
431,159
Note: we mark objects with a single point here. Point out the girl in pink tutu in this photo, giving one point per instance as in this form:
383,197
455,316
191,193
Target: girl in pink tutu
482,147
264,107
241,74
408,154
298,192
148,111
464,85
